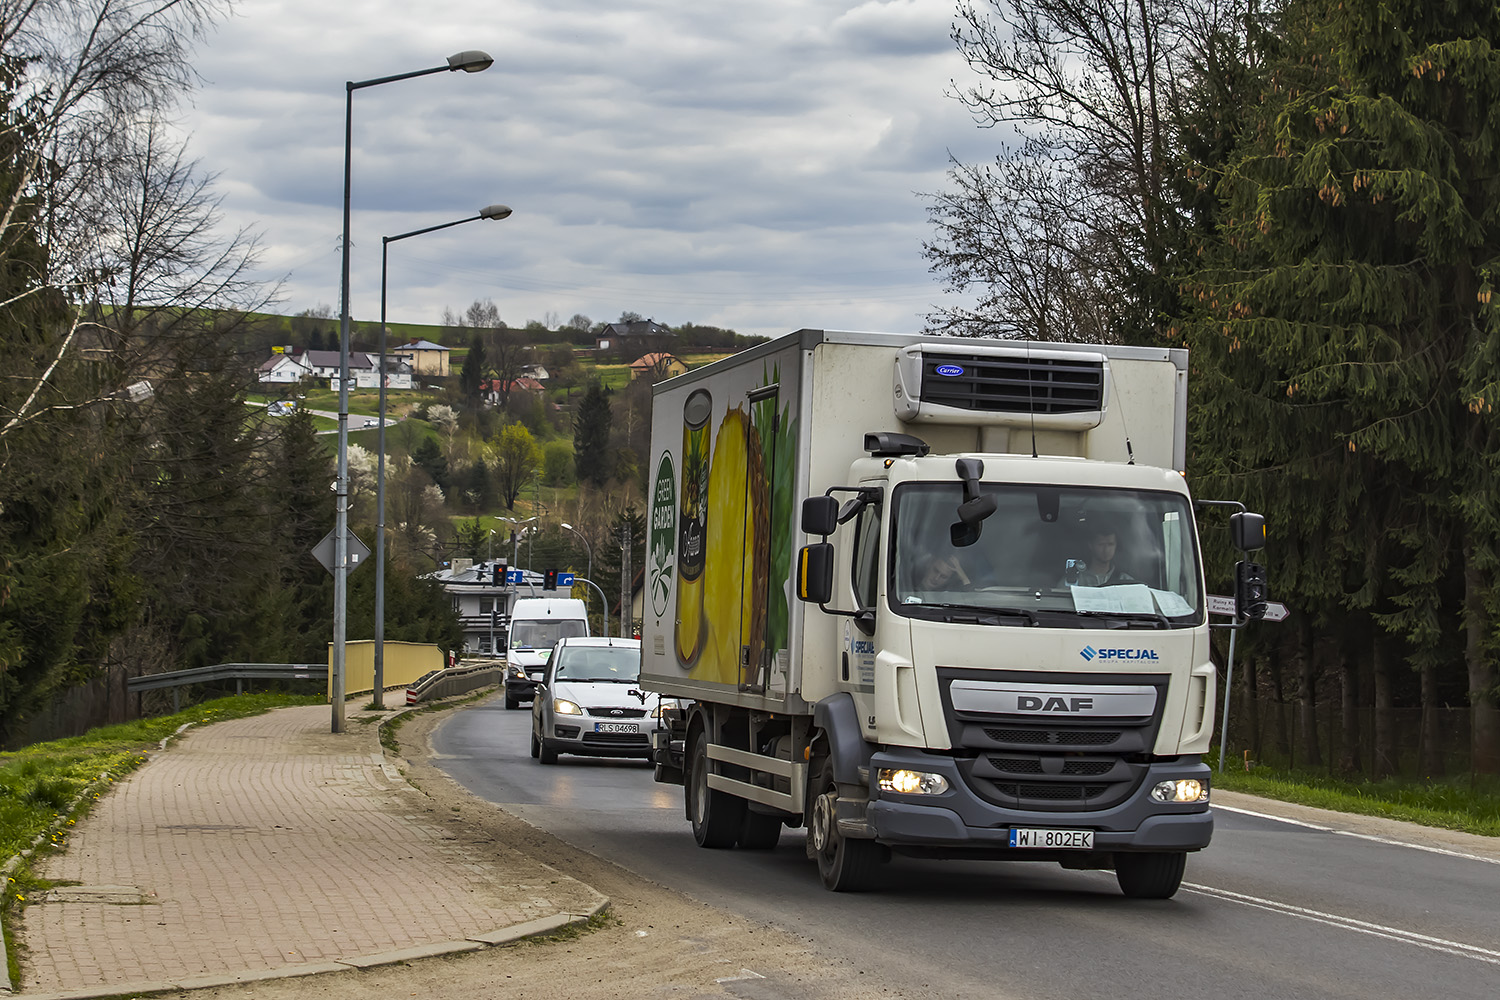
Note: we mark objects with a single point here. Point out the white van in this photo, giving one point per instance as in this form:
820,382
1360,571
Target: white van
536,623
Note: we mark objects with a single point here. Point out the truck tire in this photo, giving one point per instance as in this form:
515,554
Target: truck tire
1150,874
716,816
844,864
759,832
511,701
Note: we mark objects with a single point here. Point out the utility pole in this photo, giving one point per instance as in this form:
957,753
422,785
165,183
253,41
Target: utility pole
626,618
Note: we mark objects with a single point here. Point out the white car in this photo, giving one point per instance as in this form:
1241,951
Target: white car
372,422
590,702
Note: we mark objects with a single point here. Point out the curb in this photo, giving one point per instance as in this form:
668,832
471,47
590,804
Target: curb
480,942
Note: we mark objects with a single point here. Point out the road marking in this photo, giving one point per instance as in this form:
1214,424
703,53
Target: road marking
1362,836
1457,948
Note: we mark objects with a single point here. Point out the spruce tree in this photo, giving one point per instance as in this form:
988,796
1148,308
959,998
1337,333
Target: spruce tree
591,425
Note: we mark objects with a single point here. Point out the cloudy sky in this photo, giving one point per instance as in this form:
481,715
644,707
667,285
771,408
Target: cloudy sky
753,165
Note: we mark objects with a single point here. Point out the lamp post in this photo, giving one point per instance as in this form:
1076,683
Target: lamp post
471,61
490,212
590,575
586,545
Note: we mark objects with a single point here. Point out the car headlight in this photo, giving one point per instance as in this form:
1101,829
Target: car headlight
912,782
1181,790
665,705
564,707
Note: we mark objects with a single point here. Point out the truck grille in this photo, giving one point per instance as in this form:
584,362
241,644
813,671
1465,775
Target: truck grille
1000,384
1055,737
1046,764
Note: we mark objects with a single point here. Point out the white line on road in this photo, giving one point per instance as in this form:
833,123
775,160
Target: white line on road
1457,948
1362,836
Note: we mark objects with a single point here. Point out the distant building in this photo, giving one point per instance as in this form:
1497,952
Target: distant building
482,605
617,335
425,357
657,365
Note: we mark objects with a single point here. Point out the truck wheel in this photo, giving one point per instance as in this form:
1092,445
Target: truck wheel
844,865
1150,874
759,832
511,701
716,815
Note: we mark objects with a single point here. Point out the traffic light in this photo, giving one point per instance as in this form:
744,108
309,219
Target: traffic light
549,580
497,574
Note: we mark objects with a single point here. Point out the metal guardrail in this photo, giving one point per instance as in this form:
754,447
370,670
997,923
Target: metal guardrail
455,680
237,672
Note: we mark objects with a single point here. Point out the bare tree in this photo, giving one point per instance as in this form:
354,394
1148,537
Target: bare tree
1069,233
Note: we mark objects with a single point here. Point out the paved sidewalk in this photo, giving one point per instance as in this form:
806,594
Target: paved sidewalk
270,847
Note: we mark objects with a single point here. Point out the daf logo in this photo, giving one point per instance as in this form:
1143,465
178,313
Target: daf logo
1031,703
949,370
1089,652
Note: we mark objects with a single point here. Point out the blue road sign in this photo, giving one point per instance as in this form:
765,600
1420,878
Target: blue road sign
565,579
515,576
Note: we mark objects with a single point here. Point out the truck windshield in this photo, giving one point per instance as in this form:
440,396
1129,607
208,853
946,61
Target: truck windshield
1060,556
544,635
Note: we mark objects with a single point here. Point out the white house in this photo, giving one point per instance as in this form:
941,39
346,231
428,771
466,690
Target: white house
284,368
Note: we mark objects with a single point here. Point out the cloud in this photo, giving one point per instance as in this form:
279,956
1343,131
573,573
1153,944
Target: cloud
750,165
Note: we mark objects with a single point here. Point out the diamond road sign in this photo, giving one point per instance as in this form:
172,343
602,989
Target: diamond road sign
324,552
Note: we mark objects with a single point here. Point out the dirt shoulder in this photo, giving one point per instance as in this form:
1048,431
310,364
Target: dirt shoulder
654,943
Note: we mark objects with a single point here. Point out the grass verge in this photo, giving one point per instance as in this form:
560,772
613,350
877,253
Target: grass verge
47,787
1468,805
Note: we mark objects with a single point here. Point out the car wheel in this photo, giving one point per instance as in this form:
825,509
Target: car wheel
511,701
536,747
546,753
844,864
716,815
1150,874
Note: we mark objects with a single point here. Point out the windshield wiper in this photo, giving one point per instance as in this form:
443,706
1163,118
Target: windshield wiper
1156,619
979,613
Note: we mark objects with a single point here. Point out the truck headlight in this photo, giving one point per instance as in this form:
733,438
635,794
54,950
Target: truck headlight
563,707
1181,790
912,782
517,673
665,705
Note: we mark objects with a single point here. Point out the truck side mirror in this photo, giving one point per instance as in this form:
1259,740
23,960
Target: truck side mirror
815,572
820,515
1248,531
1249,591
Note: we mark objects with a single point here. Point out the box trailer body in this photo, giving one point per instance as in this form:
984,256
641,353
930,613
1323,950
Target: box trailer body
1039,714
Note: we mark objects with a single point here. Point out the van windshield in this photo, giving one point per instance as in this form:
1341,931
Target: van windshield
1054,556
544,634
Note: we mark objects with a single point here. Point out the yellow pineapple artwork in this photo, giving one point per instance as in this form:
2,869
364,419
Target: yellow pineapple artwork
692,527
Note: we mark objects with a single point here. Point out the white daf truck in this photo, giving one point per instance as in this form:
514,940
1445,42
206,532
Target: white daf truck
937,597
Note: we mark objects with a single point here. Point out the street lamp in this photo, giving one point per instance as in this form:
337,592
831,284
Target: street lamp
586,545
470,61
590,576
490,212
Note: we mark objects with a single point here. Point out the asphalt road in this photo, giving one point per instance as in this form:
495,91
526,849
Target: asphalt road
1272,909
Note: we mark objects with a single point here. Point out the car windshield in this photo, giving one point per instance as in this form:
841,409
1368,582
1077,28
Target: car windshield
543,634
1054,556
599,663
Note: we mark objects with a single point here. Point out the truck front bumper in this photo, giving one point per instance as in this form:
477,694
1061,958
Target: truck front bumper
960,819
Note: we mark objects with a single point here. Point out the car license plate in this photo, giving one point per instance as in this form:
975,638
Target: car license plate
616,727
1077,840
